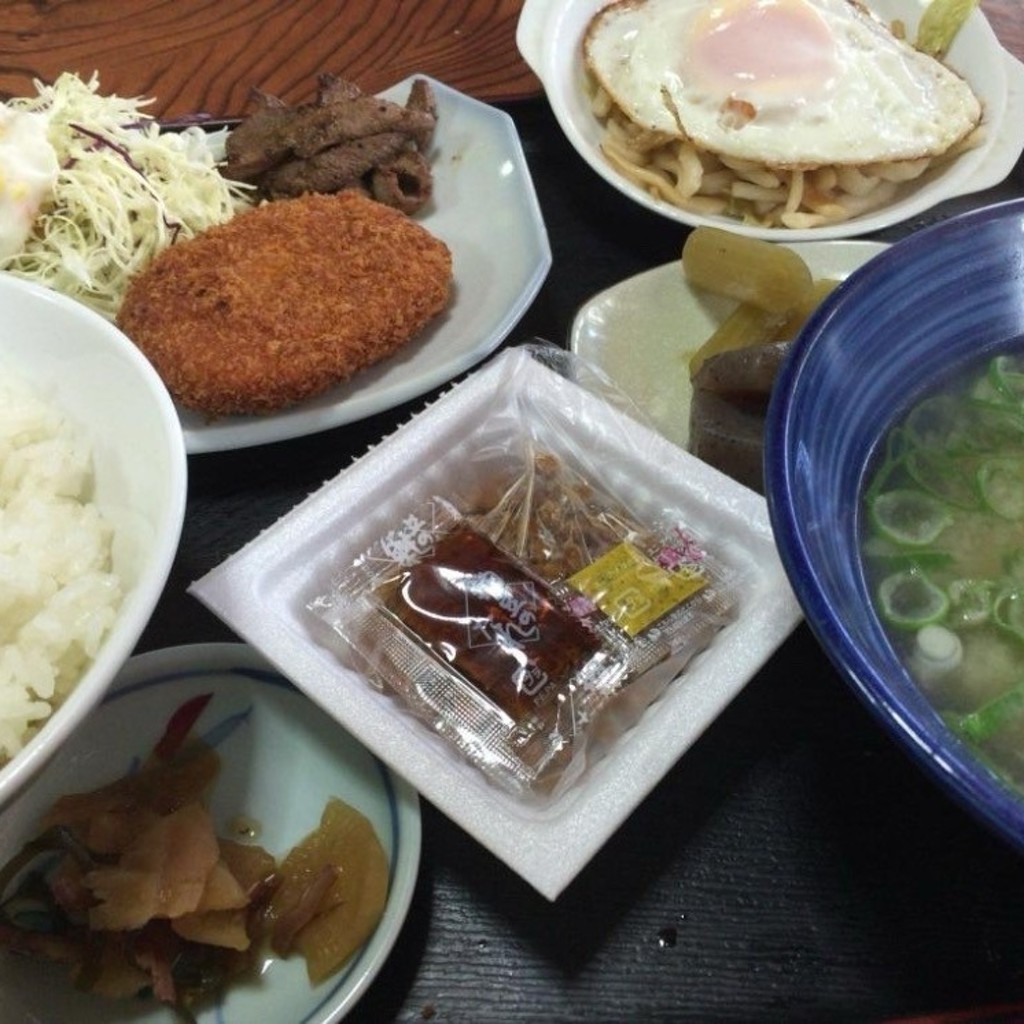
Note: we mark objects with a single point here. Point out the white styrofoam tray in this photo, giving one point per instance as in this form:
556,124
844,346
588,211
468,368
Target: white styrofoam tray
263,590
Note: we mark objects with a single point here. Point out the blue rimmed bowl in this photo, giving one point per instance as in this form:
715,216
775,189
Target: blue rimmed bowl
912,318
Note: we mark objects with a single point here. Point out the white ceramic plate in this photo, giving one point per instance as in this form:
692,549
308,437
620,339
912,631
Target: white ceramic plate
485,209
281,759
549,35
263,590
642,331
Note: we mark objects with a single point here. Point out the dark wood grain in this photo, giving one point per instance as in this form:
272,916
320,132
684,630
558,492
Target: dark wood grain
1007,20
206,55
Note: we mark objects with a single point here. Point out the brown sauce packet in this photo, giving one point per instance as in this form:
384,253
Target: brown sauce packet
533,629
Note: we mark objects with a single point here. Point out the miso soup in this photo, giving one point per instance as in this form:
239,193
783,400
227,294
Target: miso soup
944,548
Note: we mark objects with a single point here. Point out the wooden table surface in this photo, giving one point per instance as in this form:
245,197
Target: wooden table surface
1007,19
795,865
205,55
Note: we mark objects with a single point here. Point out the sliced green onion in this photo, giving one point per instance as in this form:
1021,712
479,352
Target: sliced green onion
910,600
893,558
970,602
1013,566
993,427
1001,484
993,717
986,391
944,477
1008,611
937,423
901,559
1006,374
897,444
909,517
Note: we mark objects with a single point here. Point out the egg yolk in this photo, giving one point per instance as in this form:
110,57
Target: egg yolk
765,46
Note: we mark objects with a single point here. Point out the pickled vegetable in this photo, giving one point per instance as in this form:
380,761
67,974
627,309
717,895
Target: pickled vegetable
940,22
821,287
162,872
751,270
346,846
130,886
746,326
776,293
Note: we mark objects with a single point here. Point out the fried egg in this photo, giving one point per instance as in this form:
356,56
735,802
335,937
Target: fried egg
28,173
785,83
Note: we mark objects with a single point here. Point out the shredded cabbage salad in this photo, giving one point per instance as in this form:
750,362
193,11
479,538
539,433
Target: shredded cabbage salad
125,191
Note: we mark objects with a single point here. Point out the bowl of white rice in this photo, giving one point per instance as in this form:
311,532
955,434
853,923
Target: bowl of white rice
92,498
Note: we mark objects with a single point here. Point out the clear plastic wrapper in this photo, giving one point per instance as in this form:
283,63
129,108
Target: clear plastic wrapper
529,598
475,445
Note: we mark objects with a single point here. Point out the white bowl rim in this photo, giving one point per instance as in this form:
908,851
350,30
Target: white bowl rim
539,36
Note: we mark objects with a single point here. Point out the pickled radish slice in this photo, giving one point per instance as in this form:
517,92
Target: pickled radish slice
346,841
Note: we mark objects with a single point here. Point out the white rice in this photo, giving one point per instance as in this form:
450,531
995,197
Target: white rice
58,595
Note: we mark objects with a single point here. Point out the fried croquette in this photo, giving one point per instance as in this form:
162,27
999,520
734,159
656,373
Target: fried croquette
284,301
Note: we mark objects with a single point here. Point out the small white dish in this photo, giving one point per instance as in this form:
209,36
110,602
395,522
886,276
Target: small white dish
642,331
263,592
485,209
281,759
549,37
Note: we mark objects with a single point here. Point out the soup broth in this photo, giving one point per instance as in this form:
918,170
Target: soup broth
944,550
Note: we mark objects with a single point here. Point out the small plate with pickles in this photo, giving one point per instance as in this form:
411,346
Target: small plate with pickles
645,331
280,763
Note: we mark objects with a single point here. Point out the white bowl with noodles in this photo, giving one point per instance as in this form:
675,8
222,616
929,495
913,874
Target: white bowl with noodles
85,370
549,36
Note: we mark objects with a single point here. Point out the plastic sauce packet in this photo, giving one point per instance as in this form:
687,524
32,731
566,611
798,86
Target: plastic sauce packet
532,626
653,587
